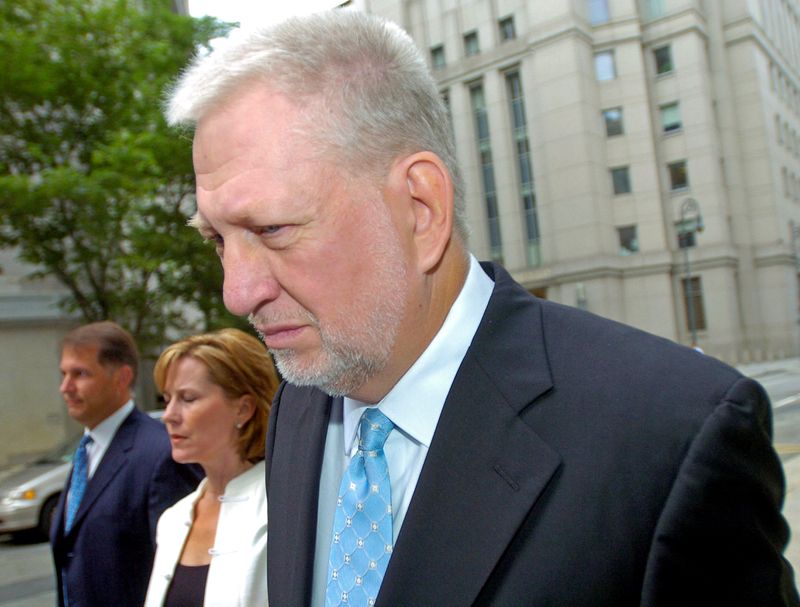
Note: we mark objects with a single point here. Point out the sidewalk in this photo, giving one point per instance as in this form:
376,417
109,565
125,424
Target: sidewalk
761,371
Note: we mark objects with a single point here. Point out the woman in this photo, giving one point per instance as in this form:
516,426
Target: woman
212,545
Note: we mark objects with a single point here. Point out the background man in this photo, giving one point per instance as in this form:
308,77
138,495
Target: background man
103,537
492,448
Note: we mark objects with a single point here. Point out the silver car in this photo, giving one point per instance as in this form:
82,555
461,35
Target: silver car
29,493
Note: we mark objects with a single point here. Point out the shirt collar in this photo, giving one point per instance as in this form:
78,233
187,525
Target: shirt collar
415,403
103,433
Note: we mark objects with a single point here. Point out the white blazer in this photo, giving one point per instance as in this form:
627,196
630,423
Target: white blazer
237,576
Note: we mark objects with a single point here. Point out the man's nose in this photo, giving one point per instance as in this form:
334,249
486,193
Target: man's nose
66,384
249,281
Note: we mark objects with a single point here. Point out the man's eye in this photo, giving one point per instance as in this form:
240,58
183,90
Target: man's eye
267,230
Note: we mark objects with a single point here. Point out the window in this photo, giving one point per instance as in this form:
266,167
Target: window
507,31
471,46
785,178
778,129
670,117
653,8
446,101
613,119
487,171
437,57
678,175
686,237
604,65
628,241
598,11
663,57
620,180
693,303
525,167
687,229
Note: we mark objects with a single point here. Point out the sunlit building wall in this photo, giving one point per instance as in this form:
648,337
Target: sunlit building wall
598,137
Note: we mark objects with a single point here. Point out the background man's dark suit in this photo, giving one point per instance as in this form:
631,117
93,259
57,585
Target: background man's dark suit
577,462
108,553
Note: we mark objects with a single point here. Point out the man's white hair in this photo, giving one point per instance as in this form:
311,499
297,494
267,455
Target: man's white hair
367,92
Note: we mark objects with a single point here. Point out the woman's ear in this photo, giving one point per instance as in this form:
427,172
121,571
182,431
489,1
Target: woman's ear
428,189
246,407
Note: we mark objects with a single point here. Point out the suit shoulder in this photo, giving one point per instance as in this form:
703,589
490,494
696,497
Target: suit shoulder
607,344
291,395
151,437
587,357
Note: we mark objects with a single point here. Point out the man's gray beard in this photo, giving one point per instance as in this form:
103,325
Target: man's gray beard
342,367
358,345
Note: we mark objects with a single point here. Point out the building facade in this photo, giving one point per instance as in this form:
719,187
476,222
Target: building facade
637,158
34,417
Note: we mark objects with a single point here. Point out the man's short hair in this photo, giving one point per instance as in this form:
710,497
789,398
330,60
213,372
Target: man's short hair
367,94
116,347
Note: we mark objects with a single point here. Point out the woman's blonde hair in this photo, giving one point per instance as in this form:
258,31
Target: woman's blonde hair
239,364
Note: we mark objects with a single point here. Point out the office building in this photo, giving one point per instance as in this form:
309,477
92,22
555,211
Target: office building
639,159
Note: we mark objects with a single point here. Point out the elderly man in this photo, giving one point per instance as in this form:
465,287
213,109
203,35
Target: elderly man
123,476
445,438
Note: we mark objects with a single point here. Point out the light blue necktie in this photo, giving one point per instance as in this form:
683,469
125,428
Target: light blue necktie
77,484
362,526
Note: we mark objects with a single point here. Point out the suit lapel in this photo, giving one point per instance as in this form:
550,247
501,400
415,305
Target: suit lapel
293,493
483,460
115,457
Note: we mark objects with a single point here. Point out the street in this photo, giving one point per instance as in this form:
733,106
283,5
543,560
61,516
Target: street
26,569
26,574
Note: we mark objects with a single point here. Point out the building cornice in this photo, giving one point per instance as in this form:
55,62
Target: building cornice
632,266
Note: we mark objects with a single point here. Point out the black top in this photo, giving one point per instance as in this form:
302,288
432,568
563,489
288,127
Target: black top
188,586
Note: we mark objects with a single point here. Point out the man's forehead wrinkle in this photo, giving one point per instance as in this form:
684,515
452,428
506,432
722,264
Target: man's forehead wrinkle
217,167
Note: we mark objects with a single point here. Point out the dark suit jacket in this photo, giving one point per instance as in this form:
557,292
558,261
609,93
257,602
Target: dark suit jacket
107,556
577,462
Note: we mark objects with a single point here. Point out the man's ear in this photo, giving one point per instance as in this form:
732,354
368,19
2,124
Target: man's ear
125,377
428,189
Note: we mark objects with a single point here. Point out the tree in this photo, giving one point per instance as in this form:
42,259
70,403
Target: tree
95,188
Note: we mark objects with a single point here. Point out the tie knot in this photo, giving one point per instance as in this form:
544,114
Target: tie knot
375,427
85,440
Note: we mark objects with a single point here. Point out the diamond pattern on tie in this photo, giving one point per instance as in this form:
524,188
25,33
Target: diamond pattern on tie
362,526
77,484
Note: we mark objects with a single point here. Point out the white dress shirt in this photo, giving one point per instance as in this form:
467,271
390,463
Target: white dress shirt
414,405
102,435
